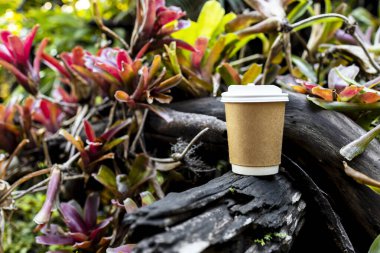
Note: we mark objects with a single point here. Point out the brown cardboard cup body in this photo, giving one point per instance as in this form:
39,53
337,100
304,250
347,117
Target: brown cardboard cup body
255,133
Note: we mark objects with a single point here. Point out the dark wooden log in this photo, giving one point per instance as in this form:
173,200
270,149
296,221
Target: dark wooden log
231,213
312,138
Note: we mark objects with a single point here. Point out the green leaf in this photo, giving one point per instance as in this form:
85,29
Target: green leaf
130,205
344,106
110,145
221,26
328,6
305,68
298,10
229,74
211,15
252,73
139,170
172,53
364,16
214,56
147,198
106,177
375,246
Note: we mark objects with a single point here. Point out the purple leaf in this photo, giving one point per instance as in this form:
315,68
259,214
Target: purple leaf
78,237
91,209
43,216
114,130
73,219
54,240
100,227
336,82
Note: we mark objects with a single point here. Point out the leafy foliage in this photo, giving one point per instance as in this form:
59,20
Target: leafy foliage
96,89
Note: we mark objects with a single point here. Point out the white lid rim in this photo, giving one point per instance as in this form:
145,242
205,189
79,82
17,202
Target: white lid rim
254,100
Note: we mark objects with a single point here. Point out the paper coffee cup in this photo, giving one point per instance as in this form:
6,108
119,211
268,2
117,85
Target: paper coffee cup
255,123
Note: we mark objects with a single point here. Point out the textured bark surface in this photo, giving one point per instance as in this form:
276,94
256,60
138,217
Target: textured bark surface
312,138
231,213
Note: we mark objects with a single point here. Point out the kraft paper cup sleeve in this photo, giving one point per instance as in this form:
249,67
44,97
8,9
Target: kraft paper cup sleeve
255,130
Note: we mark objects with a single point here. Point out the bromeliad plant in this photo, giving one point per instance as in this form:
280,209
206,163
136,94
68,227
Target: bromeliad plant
99,147
15,57
85,232
115,88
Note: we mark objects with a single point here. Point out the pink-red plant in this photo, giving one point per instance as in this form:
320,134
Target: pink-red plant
49,115
15,57
154,23
99,147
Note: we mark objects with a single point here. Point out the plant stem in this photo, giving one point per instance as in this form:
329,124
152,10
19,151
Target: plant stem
23,180
347,21
179,156
139,132
246,59
372,61
318,17
18,149
358,146
99,22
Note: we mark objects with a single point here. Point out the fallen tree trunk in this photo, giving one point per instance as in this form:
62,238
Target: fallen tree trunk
231,213
312,138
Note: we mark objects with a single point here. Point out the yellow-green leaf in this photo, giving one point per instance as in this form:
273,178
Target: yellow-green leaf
252,73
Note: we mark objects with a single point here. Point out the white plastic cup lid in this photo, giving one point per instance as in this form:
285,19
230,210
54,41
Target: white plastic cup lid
254,94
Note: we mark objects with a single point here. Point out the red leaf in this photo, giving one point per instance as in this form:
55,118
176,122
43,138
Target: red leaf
349,92
17,49
123,57
369,97
28,42
4,38
167,16
90,133
324,93
77,56
38,57
45,108
143,50
180,44
4,54
55,64
23,80
150,17
200,47
110,69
